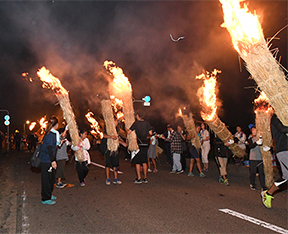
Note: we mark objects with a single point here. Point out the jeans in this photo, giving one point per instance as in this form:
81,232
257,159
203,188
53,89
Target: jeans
176,162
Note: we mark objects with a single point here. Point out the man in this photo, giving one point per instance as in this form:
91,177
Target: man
167,144
280,135
143,130
176,149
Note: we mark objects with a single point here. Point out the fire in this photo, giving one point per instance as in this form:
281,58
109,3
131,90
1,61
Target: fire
117,104
26,76
262,103
43,123
120,82
32,126
180,112
51,82
207,95
244,27
120,115
94,124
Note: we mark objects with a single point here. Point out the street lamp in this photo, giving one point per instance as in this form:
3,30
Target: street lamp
27,122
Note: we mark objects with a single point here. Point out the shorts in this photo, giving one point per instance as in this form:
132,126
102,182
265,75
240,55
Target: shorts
283,160
193,152
111,159
60,171
141,157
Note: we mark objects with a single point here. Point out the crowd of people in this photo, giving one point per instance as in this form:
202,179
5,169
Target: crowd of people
178,148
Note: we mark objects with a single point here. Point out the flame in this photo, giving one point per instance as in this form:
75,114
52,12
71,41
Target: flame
207,95
43,124
32,126
262,103
120,115
51,82
244,27
117,104
120,82
180,112
94,124
26,76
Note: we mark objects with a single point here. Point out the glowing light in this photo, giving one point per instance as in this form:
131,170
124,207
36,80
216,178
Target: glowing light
32,126
94,124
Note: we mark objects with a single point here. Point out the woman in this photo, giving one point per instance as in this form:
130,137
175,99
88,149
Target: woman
82,167
48,164
152,153
62,157
205,146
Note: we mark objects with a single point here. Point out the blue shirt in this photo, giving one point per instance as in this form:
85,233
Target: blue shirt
49,139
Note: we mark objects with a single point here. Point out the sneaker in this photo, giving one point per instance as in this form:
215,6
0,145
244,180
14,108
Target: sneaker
108,182
202,175
190,174
221,181
226,182
60,185
179,172
82,184
48,202
155,170
149,170
136,181
145,181
252,187
266,199
172,172
53,197
117,181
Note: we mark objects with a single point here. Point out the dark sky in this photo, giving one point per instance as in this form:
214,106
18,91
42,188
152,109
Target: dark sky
73,39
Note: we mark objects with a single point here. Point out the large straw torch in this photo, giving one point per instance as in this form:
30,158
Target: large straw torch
208,101
248,40
51,82
121,88
112,145
264,113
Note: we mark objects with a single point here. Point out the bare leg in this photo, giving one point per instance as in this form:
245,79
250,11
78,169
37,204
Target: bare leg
138,170
154,163
115,173
145,168
149,165
198,163
273,189
107,172
192,161
59,180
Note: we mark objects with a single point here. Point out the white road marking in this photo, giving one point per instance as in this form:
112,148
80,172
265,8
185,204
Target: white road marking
25,219
255,221
99,165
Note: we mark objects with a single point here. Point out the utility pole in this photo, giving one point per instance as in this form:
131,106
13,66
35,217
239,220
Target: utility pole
7,123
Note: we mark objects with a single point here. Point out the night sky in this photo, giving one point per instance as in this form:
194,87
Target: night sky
73,39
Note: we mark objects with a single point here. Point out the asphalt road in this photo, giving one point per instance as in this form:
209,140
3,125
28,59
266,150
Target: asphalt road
169,203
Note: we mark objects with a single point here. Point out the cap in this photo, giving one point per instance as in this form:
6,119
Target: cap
251,126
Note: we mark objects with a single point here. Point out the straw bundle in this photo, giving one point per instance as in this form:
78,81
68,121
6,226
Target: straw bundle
107,112
263,119
191,129
70,120
159,151
220,129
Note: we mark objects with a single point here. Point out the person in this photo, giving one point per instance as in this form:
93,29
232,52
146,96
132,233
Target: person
62,157
167,144
152,152
48,163
184,147
194,154
205,146
112,158
175,139
32,141
221,157
82,167
17,139
240,139
255,158
143,130
280,135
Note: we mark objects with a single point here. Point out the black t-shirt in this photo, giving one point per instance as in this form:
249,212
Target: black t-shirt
142,129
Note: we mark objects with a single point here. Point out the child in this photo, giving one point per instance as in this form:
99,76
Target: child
82,167
62,157
152,152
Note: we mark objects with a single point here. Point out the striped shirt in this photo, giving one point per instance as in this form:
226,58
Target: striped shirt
176,142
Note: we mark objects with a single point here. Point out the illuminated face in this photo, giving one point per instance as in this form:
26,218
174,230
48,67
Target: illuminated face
179,129
238,129
198,128
203,126
83,135
254,131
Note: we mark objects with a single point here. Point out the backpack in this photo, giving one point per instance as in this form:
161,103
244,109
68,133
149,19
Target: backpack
35,160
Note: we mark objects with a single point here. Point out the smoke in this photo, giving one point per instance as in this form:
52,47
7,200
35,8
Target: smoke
73,39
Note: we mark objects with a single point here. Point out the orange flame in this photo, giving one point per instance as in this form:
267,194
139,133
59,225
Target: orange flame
43,124
180,112
120,115
117,104
262,103
32,126
207,95
120,82
94,124
244,27
51,82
